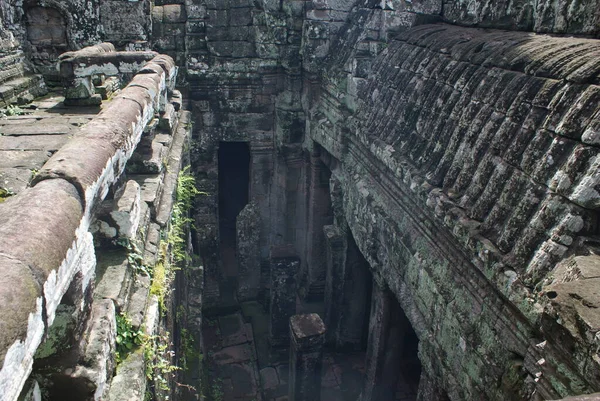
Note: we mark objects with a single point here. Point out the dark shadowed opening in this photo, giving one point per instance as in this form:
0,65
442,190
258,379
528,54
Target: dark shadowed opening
401,367
234,177
357,303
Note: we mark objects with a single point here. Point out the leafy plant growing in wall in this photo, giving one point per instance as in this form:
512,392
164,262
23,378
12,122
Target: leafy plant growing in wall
177,237
128,339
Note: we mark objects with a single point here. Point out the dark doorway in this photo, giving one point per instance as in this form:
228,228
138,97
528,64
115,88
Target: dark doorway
401,368
234,178
357,300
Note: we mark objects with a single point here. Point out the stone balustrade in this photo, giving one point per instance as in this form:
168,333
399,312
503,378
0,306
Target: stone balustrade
78,69
44,231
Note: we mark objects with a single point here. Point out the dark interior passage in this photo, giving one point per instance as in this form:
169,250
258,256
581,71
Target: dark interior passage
354,328
234,178
401,366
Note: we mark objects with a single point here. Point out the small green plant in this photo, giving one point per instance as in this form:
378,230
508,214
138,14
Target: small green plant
5,194
163,275
177,236
217,390
188,350
159,367
128,339
11,110
135,257
34,173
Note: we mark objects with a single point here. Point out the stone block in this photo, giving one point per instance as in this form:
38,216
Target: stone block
38,228
125,20
238,49
19,289
97,362
195,9
126,213
196,41
114,277
240,17
196,26
147,159
136,307
217,18
174,13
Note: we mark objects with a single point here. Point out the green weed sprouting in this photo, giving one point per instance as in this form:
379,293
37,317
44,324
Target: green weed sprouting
128,339
158,356
173,250
163,275
11,110
177,236
135,257
188,350
5,194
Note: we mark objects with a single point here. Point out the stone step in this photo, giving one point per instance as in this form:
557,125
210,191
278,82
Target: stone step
114,277
21,90
11,67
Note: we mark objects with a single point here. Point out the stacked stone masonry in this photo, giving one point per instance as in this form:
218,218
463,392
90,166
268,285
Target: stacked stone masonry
48,258
428,162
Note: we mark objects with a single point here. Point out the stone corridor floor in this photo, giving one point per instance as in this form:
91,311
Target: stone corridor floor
28,139
246,369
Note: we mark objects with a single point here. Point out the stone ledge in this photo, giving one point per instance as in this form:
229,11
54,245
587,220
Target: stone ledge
38,259
97,157
44,238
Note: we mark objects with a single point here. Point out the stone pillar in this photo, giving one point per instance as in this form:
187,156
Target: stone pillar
261,180
319,215
306,353
429,389
335,246
248,252
284,265
379,322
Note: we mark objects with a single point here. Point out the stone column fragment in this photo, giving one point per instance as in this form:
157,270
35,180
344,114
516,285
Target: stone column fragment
319,215
284,265
334,284
378,328
248,252
306,353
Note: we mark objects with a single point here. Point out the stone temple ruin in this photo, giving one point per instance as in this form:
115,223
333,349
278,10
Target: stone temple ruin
301,200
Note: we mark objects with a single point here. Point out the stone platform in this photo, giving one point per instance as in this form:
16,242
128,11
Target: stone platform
29,139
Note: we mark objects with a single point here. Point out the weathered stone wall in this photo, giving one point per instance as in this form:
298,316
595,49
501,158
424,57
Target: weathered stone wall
450,165
17,84
573,17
